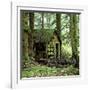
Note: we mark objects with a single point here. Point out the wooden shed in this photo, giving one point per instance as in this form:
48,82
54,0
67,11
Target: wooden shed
49,48
53,47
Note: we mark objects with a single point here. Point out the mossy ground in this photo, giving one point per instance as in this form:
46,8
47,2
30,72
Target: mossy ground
45,71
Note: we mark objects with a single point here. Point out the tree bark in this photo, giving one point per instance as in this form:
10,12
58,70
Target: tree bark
24,40
74,39
31,26
42,20
58,26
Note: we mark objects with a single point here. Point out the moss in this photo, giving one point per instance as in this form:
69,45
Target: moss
44,71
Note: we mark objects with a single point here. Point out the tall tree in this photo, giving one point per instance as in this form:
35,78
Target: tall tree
42,20
74,38
24,39
58,27
31,26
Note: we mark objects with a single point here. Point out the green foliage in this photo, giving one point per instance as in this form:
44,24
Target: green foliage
25,20
42,71
25,62
68,32
43,35
66,52
49,20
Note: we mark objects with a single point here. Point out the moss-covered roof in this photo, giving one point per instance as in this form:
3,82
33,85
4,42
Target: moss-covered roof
44,35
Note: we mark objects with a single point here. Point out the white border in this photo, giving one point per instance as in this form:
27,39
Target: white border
34,82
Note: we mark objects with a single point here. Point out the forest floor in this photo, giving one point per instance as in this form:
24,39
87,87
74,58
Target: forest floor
45,71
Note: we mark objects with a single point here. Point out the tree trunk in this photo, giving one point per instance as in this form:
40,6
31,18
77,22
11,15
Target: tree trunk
74,39
24,40
31,26
42,20
58,26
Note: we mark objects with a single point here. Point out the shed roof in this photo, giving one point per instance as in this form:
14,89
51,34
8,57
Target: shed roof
45,35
